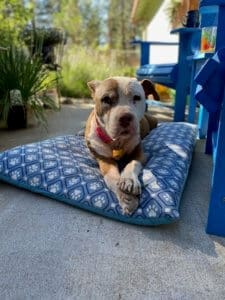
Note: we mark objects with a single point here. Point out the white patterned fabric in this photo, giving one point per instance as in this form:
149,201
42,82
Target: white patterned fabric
62,168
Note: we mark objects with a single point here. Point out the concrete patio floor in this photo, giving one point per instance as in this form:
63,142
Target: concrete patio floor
50,250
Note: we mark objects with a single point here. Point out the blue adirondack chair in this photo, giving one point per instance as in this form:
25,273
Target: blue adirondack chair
175,75
209,18
211,94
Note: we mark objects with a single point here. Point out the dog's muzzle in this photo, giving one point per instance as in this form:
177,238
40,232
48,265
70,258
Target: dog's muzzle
126,120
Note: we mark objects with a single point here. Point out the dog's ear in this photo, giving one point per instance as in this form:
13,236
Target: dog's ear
92,86
149,89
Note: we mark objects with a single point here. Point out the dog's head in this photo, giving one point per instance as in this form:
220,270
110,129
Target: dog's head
120,104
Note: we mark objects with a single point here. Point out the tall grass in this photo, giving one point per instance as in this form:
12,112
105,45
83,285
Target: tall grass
82,65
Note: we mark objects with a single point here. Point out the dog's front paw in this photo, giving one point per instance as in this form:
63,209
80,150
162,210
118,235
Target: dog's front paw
129,185
128,202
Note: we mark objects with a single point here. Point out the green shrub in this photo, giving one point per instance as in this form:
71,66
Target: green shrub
82,65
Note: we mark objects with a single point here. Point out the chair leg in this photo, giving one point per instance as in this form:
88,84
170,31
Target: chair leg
183,78
192,100
202,122
216,215
213,123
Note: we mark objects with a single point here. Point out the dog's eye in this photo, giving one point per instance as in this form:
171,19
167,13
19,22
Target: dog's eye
136,98
107,100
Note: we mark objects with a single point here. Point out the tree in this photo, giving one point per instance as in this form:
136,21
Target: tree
91,22
69,18
81,20
120,29
44,10
14,15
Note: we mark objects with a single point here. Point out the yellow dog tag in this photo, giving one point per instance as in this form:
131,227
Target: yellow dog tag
117,153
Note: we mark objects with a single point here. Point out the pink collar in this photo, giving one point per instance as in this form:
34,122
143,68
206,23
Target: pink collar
102,134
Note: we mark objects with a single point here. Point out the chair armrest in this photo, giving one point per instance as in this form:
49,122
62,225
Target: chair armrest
154,43
145,48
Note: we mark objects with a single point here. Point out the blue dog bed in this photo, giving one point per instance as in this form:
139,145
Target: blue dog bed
62,168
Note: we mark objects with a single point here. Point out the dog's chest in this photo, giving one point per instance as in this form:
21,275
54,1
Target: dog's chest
116,149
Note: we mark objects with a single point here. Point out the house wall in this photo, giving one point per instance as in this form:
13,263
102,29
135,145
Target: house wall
159,30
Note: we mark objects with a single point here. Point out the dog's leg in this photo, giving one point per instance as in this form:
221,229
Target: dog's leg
110,171
129,182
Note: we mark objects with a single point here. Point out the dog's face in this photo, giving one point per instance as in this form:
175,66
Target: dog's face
119,105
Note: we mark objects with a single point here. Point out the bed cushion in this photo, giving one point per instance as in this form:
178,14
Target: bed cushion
63,169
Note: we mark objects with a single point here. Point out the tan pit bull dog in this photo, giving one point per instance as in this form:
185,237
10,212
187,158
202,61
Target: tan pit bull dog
113,133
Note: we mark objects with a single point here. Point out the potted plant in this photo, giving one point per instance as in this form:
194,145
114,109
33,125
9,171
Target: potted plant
22,82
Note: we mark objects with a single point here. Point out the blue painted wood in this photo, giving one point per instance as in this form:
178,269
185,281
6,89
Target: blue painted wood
159,73
198,59
211,2
215,142
192,100
213,123
145,53
177,75
202,122
188,38
214,146
146,49
164,74
220,40
209,17
216,214
213,118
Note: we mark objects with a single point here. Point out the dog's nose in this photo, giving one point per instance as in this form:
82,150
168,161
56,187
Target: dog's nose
125,120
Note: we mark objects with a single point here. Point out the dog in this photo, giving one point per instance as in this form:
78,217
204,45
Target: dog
113,134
